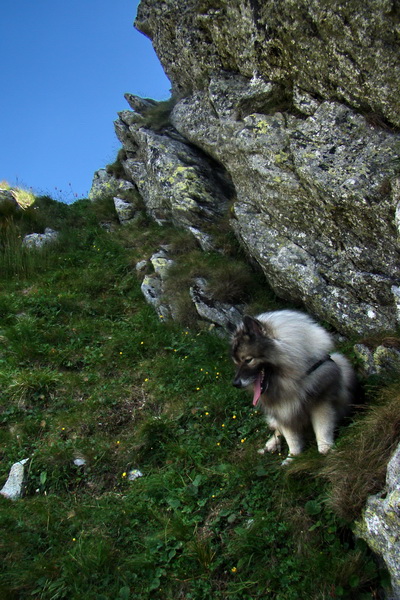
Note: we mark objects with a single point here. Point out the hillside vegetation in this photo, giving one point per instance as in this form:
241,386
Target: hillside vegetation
89,372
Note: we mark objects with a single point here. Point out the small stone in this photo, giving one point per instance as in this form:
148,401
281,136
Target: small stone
12,489
134,474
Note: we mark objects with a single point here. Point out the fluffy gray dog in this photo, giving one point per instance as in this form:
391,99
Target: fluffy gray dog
287,361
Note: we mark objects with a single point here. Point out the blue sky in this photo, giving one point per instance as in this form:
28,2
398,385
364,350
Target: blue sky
65,66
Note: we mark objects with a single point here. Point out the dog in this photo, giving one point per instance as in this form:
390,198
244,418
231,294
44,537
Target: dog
286,358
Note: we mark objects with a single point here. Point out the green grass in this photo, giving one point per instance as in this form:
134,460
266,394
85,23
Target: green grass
88,371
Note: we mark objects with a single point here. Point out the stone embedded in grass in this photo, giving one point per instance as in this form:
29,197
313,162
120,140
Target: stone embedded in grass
37,240
12,489
134,474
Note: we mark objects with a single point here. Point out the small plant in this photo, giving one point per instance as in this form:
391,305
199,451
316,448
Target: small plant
116,168
33,386
158,116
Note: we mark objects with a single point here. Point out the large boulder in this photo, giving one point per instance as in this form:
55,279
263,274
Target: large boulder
347,51
315,202
298,107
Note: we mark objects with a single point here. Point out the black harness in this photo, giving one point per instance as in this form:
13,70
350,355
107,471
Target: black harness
315,366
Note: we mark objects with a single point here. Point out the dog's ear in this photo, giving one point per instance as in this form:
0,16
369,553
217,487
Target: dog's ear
252,326
231,327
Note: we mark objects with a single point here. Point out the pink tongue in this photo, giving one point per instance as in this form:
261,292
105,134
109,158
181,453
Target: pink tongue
257,390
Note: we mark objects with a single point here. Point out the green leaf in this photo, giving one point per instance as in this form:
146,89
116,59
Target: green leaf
313,507
124,593
197,480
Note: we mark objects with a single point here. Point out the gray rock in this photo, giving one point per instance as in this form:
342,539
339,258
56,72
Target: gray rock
125,210
12,489
104,184
308,192
177,183
382,360
317,198
152,289
380,526
38,240
139,105
161,263
218,313
141,266
346,52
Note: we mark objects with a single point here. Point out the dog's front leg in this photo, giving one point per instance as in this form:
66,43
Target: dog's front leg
294,441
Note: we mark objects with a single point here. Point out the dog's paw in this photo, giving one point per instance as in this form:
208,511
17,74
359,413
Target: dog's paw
288,460
324,448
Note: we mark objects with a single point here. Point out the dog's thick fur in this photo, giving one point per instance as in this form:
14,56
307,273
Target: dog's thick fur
285,357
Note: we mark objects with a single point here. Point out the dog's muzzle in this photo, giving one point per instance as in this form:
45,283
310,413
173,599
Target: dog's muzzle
238,383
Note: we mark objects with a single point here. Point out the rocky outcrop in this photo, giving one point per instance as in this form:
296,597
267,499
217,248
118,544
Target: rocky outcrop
346,51
282,122
315,201
380,526
106,184
177,182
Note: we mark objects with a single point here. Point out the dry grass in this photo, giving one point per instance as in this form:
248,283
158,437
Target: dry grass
357,468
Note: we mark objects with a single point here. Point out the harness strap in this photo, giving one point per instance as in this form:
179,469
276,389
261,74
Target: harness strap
318,364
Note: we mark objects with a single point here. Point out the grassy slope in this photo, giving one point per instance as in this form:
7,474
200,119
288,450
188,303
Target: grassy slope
88,371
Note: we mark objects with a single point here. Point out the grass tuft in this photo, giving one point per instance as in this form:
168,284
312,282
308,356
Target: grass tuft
357,467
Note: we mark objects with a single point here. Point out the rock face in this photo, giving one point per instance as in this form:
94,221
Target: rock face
380,527
177,183
284,122
346,51
314,205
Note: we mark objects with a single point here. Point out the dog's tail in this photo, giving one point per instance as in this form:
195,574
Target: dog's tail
350,388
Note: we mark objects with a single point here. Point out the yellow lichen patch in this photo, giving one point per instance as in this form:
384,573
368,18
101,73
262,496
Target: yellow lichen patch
262,127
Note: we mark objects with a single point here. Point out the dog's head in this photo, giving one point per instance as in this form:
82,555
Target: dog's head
252,353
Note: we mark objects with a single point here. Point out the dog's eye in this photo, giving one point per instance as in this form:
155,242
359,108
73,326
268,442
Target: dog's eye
248,360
